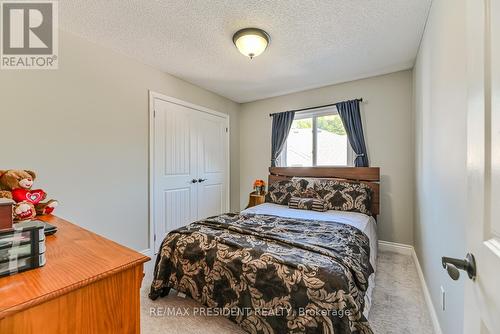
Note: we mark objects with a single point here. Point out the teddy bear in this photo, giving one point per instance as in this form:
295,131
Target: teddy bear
16,185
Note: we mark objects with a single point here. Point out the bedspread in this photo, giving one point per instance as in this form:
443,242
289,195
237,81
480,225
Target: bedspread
270,274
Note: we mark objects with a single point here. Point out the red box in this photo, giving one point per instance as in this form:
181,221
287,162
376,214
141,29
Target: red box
6,207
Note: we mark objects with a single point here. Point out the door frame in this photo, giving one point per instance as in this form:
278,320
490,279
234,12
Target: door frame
152,97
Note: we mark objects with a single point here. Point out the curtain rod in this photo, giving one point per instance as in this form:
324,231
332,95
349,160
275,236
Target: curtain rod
317,107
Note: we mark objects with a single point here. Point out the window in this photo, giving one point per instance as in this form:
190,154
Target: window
317,139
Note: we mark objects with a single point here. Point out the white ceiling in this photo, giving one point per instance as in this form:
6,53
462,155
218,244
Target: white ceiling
313,43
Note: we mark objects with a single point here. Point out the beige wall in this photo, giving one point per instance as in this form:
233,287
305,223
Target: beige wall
387,123
440,140
84,129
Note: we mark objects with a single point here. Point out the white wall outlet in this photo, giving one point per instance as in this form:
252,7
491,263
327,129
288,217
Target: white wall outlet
443,299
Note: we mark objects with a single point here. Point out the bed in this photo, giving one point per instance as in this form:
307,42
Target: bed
273,269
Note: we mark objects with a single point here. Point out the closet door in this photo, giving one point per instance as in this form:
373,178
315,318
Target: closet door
213,173
190,169
175,167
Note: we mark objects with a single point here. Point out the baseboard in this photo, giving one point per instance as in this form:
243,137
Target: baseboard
387,246
427,295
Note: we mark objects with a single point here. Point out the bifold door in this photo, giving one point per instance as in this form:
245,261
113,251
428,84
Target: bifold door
190,166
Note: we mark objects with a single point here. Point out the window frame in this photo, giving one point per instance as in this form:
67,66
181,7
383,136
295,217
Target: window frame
314,114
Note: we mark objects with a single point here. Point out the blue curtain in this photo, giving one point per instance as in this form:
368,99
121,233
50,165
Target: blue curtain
282,122
351,118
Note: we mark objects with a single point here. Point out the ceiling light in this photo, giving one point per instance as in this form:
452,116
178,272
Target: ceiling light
251,41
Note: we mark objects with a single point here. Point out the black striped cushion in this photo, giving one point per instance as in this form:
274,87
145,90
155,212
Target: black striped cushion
302,203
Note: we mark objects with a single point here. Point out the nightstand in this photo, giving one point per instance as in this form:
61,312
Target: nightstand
256,199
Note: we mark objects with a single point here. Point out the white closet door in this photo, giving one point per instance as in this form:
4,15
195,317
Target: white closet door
190,169
175,166
213,197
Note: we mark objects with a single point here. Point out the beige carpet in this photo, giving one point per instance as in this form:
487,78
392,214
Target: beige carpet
399,305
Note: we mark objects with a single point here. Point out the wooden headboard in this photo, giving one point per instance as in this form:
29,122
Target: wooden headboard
367,175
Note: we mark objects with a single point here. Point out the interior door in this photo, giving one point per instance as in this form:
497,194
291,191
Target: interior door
175,168
213,171
482,295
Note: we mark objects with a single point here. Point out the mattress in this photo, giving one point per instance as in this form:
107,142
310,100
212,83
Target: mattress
362,222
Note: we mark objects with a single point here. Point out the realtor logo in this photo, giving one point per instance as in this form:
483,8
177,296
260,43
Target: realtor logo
29,35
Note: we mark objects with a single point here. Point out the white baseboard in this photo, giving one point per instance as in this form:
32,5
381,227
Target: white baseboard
427,295
388,246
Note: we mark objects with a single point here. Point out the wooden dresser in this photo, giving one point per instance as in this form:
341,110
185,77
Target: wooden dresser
88,285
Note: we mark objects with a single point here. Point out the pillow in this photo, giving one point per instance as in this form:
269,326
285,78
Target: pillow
304,203
280,192
345,196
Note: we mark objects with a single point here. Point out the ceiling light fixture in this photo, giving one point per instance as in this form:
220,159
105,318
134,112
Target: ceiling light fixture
251,41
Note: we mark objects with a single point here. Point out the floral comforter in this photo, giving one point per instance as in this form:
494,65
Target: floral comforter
270,274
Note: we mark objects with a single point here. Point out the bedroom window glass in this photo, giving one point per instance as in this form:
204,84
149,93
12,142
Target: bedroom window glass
317,139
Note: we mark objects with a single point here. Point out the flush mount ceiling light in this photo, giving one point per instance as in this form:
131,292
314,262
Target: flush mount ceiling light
251,41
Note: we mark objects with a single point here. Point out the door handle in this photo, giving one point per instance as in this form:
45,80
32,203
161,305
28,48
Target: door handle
453,266
194,180
201,180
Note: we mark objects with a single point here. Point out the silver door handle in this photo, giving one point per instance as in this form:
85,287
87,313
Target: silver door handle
453,265
201,180
194,180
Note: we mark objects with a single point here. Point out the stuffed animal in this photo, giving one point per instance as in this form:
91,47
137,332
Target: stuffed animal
16,185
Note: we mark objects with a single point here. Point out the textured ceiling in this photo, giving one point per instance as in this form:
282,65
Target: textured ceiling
313,43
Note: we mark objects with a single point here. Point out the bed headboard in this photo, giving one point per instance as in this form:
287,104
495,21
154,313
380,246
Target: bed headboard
367,175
